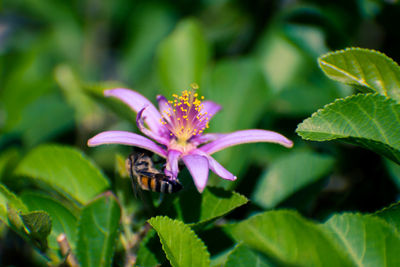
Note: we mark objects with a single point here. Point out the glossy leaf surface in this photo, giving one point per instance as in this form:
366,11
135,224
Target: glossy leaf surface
65,169
180,243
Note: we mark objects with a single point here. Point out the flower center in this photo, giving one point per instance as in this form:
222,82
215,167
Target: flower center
185,116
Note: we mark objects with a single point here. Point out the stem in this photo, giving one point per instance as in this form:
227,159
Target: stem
65,248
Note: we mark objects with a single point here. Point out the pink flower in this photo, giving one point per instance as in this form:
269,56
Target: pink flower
178,128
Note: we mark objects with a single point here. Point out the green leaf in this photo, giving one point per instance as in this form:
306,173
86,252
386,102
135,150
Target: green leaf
84,107
368,240
391,215
38,224
365,68
212,203
96,91
288,174
97,231
180,243
9,200
371,121
66,170
182,57
242,256
63,220
289,238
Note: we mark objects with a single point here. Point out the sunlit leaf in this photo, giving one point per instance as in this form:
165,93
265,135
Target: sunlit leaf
288,174
63,221
66,170
289,238
182,57
368,240
371,121
71,87
180,243
97,231
279,59
365,68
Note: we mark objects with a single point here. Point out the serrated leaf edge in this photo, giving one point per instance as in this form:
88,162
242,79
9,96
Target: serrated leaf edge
376,214
323,109
371,51
387,207
159,219
242,197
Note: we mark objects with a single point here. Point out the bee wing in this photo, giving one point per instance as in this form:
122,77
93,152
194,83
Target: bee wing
135,187
134,180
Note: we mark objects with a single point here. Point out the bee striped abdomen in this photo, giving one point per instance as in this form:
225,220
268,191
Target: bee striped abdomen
145,176
144,182
156,184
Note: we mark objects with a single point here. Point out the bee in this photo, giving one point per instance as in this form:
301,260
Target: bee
144,175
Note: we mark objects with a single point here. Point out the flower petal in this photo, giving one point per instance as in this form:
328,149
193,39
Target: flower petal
198,168
215,166
137,102
126,138
164,106
210,107
243,137
156,136
172,167
204,138
219,170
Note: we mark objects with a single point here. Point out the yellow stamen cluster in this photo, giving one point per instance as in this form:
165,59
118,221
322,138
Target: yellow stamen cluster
184,116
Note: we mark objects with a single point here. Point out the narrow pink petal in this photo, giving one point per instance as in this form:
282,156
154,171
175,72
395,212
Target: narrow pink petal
137,102
126,138
243,137
215,166
210,107
172,167
198,168
156,136
219,170
164,106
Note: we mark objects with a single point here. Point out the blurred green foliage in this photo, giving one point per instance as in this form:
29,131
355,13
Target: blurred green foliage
257,59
